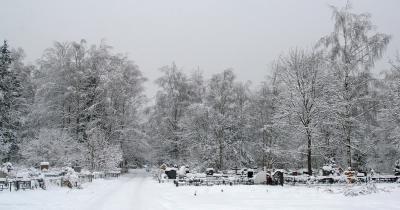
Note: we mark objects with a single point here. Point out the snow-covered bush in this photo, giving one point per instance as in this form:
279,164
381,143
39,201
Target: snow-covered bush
182,171
100,154
71,178
4,148
52,145
360,190
6,169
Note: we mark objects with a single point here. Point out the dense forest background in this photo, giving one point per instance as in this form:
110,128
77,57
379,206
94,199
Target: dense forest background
85,104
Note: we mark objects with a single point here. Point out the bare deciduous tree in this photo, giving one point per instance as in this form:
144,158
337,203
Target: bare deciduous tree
302,73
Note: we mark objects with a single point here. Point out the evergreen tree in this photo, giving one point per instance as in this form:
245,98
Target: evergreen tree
10,93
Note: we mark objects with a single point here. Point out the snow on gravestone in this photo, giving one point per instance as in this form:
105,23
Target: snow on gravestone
171,173
44,166
182,172
260,178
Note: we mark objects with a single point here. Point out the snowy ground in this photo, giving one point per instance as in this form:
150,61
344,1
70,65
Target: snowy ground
137,191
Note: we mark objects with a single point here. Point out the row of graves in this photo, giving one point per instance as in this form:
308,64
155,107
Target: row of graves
182,175
328,174
15,178
332,174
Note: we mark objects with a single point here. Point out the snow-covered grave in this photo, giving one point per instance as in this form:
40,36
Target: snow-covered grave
138,190
270,177
22,178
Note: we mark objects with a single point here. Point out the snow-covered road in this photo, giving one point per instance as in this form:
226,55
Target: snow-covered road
138,191
135,191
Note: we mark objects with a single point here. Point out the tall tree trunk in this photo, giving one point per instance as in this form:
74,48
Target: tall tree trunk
348,147
309,144
220,149
220,155
78,122
347,123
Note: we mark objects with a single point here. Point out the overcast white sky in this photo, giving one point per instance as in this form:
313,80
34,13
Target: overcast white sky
211,34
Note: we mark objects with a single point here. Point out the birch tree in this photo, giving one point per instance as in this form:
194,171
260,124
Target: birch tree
353,48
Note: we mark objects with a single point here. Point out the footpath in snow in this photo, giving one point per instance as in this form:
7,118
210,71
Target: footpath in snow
138,191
